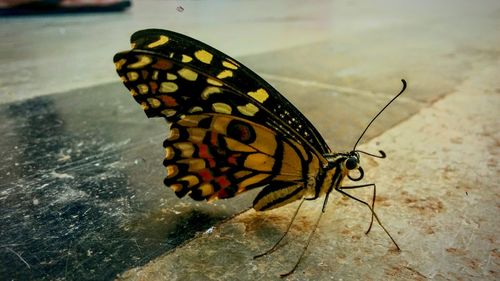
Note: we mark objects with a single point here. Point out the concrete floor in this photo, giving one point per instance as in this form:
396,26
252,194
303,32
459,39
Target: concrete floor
437,190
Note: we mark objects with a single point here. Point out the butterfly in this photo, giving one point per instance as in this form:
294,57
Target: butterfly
230,131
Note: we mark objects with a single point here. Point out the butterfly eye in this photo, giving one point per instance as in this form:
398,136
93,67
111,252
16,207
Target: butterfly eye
351,163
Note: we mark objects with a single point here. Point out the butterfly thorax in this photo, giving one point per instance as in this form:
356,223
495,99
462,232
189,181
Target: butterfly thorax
338,167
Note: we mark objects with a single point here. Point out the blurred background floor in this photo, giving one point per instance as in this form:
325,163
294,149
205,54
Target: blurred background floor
81,193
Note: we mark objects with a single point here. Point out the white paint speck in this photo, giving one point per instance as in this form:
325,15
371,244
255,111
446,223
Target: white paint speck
210,230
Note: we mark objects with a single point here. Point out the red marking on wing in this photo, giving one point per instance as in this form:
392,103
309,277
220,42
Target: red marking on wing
211,162
222,193
204,153
206,175
168,101
222,181
232,160
153,87
162,64
213,138
244,133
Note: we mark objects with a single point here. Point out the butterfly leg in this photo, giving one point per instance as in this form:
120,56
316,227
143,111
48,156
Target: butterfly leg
308,238
275,246
304,248
373,199
339,189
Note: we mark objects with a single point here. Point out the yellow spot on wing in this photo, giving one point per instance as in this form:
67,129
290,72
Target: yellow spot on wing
191,120
168,87
172,170
132,75
260,95
120,63
176,187
168,112
174,134
154,102
194,164
195,109
143,88
191,180
206,189
222,108
143,60
204,56
161,41
214,82
224,74
155,75
169,153
229,65
171,76
248,109
196,135
186,148
210,90
186,58
188,74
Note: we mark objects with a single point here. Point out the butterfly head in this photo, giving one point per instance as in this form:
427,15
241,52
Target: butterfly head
350,162
347,163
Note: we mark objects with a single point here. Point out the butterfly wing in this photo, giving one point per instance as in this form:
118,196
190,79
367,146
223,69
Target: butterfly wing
171,74
231,131
211,156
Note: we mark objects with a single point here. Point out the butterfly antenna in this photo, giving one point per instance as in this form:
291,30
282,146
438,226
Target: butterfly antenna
369,124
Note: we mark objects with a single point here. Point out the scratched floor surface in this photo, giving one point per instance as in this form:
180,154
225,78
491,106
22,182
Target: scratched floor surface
81,185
